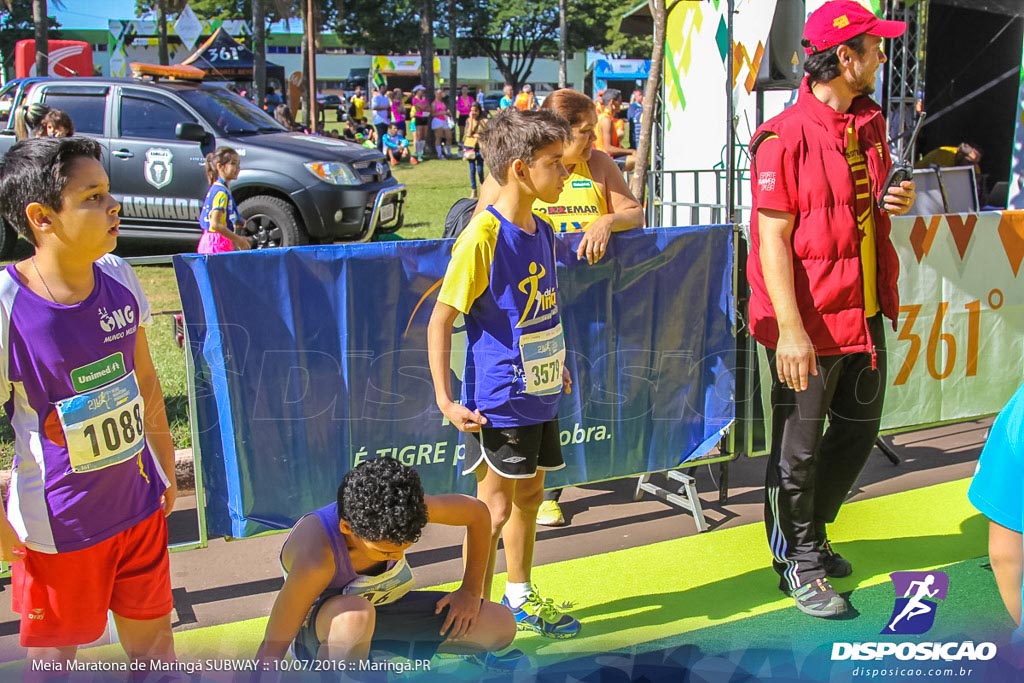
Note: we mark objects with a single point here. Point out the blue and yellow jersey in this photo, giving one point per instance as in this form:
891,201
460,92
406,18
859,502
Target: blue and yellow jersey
503,280
219,198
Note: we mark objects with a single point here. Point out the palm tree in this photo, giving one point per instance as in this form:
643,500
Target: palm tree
659,13
163,8
284,10
427,45
259,52
563,44
42,37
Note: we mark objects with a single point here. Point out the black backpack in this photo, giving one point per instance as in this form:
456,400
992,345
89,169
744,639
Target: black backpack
458,217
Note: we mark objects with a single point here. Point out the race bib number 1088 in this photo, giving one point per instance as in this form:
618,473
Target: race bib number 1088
105,426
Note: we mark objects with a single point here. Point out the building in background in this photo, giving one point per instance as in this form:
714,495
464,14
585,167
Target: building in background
134,40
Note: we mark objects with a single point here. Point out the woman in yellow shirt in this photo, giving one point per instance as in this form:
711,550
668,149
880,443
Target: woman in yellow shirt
594,199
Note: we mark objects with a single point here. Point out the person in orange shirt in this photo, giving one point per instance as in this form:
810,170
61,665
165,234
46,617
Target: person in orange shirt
608,134
525,100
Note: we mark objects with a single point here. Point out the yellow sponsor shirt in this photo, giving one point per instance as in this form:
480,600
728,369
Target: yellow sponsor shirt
580,204
864,202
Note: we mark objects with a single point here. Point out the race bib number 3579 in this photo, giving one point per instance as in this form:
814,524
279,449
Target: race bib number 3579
543,354
105,426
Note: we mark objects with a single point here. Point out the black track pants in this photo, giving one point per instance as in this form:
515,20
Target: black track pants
810,474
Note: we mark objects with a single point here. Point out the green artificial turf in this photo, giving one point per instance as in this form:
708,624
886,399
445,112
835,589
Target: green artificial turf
716,590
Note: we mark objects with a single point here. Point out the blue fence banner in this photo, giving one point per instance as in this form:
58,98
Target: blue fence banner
309,360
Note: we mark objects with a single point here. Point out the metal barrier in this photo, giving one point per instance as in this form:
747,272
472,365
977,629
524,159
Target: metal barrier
695,197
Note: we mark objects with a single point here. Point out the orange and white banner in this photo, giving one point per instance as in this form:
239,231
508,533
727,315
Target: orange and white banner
957,350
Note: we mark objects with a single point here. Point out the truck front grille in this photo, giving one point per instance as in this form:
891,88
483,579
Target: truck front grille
373,171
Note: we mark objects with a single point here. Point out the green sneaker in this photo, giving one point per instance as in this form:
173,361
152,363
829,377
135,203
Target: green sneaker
550,514
542,616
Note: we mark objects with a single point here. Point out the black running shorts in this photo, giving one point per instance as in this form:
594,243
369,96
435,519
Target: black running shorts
515,452
407,627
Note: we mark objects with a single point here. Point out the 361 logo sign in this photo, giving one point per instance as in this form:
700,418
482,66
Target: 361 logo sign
917,594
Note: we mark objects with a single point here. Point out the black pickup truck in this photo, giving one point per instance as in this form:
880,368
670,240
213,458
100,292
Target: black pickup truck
293,188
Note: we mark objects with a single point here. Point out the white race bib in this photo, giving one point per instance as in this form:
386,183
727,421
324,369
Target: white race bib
543,354
105,426
384,588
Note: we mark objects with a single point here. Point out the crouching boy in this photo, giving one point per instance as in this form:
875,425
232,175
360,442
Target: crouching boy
93,473
348,587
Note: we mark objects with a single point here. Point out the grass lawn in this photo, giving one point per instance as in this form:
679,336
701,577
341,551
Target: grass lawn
433,188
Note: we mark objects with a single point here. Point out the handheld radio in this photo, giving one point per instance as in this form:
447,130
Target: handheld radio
901,169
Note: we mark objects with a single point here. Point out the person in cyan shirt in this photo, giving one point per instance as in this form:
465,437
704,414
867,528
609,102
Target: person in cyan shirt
396,147
998,492
93,474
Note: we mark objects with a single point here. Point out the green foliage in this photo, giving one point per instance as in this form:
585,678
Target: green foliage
512,33
380,26
276,10
515,32
16,24
609,39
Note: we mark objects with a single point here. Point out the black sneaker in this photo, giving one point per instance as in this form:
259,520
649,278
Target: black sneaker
819,599
834,564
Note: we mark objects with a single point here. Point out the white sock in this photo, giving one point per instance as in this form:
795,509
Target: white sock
517,593
440,152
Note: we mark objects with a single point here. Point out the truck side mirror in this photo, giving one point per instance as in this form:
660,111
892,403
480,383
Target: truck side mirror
190,131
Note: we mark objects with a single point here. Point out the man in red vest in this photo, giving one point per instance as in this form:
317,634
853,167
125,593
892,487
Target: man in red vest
822,274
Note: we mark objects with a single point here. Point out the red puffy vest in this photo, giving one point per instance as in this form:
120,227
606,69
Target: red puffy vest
826,240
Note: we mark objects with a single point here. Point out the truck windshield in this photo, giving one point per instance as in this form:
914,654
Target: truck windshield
7,103
229,113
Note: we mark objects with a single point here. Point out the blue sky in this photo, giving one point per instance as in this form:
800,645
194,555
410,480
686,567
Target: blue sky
80,14
83,13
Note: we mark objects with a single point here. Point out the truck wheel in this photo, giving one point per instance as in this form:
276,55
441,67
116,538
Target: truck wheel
272,222
8,240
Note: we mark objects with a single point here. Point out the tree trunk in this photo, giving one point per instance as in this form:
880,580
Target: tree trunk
427,55
311,29
563,44
427,46
303,51
453,66
161,32
638,183
42,37
259,53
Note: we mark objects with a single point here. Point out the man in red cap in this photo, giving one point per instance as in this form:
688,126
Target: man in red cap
822,274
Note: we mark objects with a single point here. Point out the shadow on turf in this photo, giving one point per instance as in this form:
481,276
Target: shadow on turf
740,594
746,475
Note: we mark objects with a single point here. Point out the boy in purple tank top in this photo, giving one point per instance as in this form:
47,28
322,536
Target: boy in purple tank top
93,473
348,587
502,279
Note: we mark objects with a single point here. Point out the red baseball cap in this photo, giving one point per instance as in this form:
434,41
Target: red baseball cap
839,20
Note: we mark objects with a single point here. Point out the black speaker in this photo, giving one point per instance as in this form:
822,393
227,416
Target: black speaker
782,67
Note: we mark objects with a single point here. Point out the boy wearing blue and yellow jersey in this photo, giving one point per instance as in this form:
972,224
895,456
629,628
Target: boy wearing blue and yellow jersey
502,279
